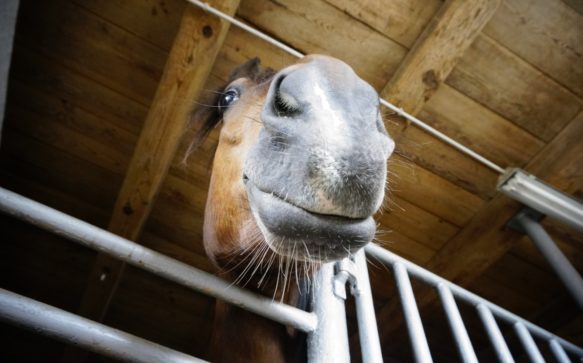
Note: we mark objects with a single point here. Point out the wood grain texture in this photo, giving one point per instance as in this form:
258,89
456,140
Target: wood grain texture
479,128
89,45
485,240
190,60
497,78
434,54
400,20
438,196
154,21
318,27
547,34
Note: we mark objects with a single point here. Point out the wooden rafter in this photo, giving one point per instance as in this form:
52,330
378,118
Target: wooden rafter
436,51
197,43
485,240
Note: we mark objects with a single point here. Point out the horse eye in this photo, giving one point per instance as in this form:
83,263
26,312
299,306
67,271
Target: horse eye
228,97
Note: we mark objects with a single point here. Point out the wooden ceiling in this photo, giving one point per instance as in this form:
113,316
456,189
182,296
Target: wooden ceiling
504,78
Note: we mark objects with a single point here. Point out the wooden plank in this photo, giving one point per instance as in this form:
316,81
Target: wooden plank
197,43
400,20
479,128
436,52
416,223
152,20
525,278
93,47
58,109
46,165
419,147
43,73
164,312
484,240
495,77
547,34
438,196
525,249
318,27
52,132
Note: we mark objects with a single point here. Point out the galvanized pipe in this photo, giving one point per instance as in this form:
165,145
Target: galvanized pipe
412,317
528,343
329,341
370,345
495,335
432,279
150,260
560,264
559,352
542,197
462,340
73,329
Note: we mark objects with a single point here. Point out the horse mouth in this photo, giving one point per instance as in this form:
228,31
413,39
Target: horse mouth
293,231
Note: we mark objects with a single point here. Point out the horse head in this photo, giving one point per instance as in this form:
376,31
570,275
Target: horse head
300,166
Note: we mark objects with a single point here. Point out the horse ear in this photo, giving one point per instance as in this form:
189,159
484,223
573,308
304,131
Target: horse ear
250,69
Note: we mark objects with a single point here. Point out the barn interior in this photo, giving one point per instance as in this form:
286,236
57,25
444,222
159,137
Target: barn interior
504,78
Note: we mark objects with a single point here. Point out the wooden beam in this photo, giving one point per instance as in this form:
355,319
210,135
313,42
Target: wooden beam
436,51
197,43
485,240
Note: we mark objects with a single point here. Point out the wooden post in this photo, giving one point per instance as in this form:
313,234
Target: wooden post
195,48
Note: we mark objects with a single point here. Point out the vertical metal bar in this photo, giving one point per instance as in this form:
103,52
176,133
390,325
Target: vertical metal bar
495,335
370,344
528,343
558,352
329,341
462,340
560,264
412,317
73,329
390,258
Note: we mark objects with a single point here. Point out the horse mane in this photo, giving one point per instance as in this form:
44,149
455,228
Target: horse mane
206,116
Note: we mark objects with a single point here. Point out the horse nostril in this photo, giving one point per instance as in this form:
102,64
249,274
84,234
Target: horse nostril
284,104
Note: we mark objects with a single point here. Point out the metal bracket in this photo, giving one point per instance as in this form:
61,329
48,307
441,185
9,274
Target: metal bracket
514,223
345,271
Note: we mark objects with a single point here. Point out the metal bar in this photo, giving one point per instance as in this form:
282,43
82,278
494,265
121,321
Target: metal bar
73,329
206,7
528,343
495,335
412,317
560,264
390,258
329,341
370,344
425,127
456,324
538,195
558,352
150,260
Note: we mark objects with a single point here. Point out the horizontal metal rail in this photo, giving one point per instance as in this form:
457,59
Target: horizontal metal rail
101,240
73,329
432,279
414,120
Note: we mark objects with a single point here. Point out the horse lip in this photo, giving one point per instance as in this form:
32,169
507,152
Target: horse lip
315,214
337,236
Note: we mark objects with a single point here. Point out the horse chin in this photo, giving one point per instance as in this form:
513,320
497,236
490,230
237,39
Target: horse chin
294,232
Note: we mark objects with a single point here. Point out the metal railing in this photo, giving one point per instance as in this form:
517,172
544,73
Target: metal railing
326,325
487,311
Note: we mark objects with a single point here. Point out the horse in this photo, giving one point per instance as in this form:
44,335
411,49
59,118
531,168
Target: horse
298,173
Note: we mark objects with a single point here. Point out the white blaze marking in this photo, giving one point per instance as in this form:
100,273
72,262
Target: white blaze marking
331,122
